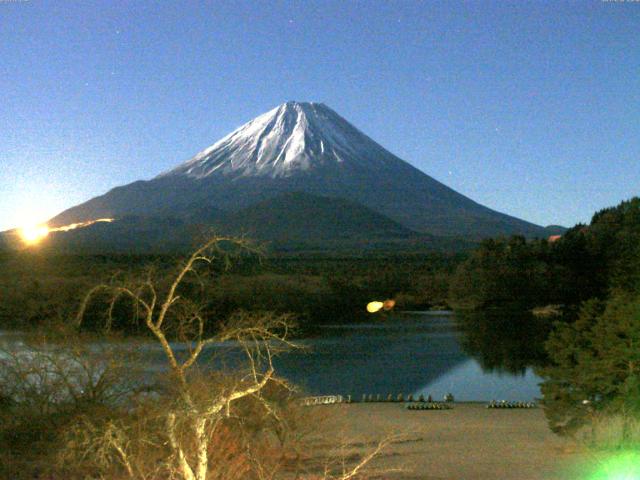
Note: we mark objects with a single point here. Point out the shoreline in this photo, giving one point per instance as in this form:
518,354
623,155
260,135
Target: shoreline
469,441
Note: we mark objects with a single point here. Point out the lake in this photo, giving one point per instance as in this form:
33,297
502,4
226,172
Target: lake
412,353
408,353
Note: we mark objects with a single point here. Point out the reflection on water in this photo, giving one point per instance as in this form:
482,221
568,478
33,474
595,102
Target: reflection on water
504,341
419,354
475,358
470,382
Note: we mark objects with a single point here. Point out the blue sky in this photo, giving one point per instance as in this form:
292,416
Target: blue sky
530,108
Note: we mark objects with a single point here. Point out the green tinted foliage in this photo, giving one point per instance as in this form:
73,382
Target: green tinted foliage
502,272
566,386
504,341
596,359
587,262
38,289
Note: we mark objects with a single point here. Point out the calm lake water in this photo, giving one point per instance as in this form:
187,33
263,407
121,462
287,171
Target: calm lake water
410,354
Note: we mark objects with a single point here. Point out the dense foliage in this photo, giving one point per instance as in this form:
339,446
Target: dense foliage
37,288
595,365
586,262
502,272
595,360
590,360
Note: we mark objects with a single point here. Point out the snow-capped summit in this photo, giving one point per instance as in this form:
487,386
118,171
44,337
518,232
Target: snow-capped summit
303,148
293,137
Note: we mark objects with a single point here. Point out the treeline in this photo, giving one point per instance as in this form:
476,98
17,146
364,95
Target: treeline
586,262
593,379
588,357
38,289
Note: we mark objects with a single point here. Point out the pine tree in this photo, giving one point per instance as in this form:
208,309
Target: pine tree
595,364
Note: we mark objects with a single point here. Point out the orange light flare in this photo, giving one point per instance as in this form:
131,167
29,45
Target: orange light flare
34,234
376,306
73,226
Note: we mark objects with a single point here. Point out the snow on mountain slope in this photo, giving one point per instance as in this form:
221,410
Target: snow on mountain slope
301,147
290,138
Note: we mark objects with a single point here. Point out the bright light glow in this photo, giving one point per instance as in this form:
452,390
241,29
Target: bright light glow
373,307
73,226
622,466
32,234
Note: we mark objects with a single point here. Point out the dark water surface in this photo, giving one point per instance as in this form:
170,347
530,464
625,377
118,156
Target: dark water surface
414,353
410,353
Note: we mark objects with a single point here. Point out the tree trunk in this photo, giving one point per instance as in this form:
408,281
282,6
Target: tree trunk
184,468
202,448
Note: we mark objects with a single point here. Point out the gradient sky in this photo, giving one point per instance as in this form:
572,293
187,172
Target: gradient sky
532,109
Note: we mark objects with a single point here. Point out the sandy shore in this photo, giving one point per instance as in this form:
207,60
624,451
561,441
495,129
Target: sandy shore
466,443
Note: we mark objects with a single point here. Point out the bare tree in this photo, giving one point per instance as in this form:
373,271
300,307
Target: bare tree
195,421
192,420
49,382
46,374
200,427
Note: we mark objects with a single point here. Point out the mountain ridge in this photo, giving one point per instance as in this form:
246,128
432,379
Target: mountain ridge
304,147
299,216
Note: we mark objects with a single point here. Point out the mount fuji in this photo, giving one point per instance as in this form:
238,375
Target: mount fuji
300,154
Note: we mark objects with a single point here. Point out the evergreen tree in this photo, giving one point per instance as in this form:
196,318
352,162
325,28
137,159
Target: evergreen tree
503,272
587,262
595,364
